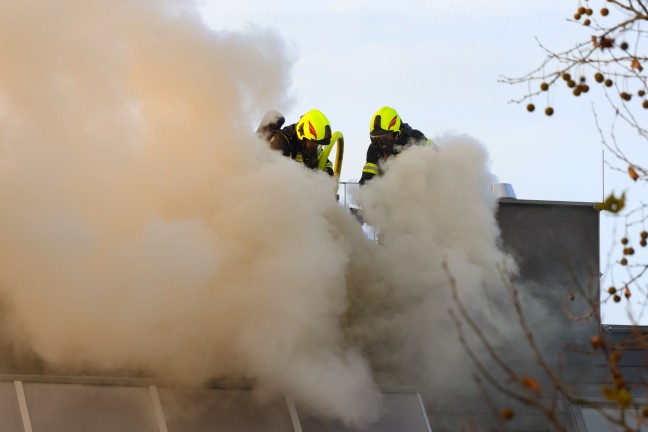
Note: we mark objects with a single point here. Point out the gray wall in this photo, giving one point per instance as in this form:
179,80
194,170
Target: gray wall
556,245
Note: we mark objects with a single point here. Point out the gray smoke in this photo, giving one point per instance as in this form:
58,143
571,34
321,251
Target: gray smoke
144,223
146,226
433,206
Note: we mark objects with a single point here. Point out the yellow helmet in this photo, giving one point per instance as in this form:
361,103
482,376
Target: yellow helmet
386,120
314,126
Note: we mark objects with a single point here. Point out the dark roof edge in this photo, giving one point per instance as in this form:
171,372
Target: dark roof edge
623,328
541,202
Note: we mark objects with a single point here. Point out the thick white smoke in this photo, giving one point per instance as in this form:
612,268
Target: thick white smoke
433,206
144,224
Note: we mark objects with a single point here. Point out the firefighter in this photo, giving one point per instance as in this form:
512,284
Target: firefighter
389,136
302,141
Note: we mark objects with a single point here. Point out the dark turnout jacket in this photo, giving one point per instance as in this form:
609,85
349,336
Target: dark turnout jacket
407,136
285,140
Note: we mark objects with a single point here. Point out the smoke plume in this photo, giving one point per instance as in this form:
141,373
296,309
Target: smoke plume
146,226
433,207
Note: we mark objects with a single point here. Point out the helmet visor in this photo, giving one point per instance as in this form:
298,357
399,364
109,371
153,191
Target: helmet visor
386,142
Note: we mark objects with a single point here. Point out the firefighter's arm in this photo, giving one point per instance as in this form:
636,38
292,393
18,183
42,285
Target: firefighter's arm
272,121
368,172
329,167
370,168
279,141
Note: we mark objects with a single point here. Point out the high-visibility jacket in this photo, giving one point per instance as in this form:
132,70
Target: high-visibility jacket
375,158
285,140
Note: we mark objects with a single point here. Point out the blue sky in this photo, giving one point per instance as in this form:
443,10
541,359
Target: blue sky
438,64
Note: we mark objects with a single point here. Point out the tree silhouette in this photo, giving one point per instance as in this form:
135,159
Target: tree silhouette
610,62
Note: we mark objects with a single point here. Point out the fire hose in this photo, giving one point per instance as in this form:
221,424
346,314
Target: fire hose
338,139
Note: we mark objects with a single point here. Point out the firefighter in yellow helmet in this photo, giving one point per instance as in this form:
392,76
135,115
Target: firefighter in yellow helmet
389,136
301,141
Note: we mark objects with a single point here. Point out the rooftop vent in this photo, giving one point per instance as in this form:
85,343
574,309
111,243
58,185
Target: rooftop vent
503,190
